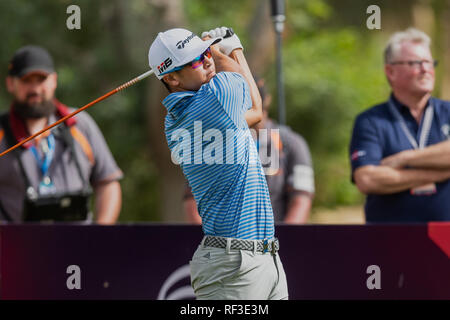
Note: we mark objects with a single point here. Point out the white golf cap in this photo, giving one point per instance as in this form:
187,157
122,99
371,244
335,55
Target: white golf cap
174,48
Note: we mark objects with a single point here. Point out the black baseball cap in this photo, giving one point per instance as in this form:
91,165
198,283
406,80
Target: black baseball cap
30,59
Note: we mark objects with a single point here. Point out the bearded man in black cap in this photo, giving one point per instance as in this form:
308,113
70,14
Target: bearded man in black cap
52,177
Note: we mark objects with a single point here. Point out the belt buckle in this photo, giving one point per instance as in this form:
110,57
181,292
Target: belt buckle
265,245
273,251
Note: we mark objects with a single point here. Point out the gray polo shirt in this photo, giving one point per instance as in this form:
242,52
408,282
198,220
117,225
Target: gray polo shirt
293,174
96,167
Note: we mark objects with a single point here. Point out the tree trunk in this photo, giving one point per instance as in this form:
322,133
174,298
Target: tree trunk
262,39
171,180
445,52
423,16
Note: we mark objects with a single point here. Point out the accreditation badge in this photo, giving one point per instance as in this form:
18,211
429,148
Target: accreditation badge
46,187
425,190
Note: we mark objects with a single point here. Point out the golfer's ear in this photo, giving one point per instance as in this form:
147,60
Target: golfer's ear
171,79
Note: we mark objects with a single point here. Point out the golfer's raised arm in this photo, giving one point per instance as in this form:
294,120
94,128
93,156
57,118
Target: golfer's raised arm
254,114
236,62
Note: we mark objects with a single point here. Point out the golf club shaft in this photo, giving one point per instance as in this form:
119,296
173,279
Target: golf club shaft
90,104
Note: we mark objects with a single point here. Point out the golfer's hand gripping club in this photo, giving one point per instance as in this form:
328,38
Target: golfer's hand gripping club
230,40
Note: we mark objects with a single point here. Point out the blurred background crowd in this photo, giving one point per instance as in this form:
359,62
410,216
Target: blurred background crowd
333,69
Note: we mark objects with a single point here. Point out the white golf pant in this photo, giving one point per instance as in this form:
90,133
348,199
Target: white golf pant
221,274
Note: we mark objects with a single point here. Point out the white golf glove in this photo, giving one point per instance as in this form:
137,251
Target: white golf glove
230,40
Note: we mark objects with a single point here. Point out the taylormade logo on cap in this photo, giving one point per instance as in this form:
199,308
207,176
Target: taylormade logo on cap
174,48
180,44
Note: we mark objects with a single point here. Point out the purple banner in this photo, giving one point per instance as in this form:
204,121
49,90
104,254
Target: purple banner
151,261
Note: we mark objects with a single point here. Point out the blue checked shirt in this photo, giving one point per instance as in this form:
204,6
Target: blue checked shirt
208,136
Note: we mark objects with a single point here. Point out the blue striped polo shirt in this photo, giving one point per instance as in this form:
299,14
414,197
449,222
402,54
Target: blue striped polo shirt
209,138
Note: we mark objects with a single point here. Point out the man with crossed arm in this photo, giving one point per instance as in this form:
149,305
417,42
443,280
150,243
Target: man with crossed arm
400,153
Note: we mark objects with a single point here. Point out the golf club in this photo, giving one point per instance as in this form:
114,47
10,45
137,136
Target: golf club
90,104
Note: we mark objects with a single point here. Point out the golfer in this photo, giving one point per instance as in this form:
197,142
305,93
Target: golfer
212,102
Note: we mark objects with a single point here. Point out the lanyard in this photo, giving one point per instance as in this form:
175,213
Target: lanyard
426,126
49,151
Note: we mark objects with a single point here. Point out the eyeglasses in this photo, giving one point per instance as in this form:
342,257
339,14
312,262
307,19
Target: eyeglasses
197,62
417,64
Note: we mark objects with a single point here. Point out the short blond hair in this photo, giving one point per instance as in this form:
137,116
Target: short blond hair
409,35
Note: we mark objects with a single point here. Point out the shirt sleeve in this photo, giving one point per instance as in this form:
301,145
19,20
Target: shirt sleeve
105,168
300,173
365,146
233,93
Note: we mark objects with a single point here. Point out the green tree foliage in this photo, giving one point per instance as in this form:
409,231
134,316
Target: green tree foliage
331,74
332,65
